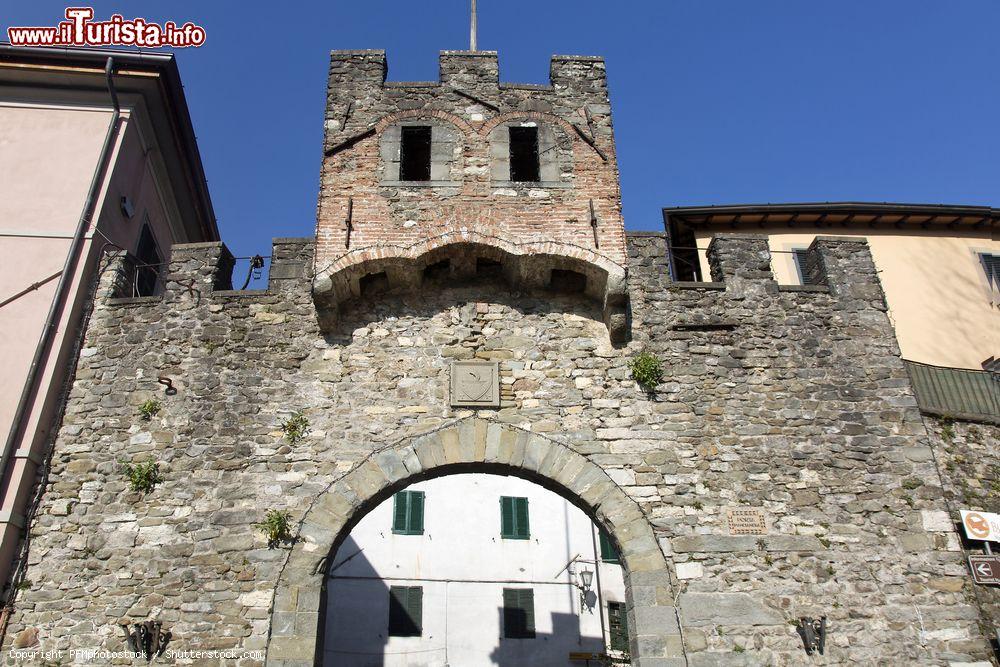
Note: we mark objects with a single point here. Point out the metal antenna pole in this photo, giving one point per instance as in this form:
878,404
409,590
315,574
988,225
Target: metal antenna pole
472,28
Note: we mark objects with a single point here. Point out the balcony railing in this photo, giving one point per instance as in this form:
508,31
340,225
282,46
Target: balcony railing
956,392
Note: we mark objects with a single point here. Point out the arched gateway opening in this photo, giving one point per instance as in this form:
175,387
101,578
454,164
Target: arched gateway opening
480,446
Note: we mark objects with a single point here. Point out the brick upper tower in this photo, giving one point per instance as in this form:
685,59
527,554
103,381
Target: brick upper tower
467,178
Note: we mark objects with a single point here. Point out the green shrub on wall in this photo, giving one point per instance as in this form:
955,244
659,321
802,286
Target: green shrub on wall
276,526
143,476
295,427
646,370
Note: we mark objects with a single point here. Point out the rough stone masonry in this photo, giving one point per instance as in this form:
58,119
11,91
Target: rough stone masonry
788,404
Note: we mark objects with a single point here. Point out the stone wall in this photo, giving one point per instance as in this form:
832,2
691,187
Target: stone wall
789,401
968,461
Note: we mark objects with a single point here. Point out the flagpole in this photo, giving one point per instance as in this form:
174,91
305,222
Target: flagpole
472,28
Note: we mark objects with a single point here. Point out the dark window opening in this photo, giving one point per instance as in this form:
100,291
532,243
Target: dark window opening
524,154
609,554
567,281
406,611
518,613
373,283
415,153
488,268
147,263
438,271
684,263
806,268
618,626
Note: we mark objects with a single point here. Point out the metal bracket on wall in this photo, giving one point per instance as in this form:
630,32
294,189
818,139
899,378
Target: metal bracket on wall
593,223
590,141
347,114
477,100
349,223
347,143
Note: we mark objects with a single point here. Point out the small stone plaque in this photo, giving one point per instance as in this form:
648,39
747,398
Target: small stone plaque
747,521
475,384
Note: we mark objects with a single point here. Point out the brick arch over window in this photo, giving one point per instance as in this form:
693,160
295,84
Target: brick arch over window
470,445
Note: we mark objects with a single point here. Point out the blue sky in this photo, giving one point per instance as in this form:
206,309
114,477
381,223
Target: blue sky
714,101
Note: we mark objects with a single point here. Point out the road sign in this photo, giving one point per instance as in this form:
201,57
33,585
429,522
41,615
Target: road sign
981,525
985,569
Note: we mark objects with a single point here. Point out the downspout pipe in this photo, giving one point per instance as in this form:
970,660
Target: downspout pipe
25,402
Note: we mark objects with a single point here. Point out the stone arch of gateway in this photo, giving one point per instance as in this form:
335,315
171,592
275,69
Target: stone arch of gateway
780,470
479,445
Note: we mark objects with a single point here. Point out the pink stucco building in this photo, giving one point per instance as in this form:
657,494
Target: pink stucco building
96,148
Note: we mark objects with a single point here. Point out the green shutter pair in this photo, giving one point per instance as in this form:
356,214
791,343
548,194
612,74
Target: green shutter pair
406,611
518,613
408,513
514,518
618,626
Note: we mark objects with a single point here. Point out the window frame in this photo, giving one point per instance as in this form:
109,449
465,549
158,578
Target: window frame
147,274
404,131
617,626
990,263
534,153
408,528
609,553
517,532
523,600
404,600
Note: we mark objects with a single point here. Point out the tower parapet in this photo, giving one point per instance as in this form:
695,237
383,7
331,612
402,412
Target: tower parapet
469,176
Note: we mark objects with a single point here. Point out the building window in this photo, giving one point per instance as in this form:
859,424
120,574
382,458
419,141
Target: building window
408,513
524,165
609,554
406,611
991,264
514,518
415,153
518,613
618,626
147,263
805,267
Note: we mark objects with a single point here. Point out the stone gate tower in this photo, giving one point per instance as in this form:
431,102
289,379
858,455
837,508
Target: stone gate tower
780,471
468,176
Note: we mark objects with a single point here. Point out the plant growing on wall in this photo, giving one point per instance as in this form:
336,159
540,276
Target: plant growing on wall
295,427
143,476
148,409
646,370
276,526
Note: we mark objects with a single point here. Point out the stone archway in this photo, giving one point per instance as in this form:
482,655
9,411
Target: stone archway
474,443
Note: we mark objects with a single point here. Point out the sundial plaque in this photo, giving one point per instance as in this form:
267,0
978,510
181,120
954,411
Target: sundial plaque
475,384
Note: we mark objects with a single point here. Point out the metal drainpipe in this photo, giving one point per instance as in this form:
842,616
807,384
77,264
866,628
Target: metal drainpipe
58,301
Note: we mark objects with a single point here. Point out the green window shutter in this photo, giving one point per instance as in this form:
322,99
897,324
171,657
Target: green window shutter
400,510
618,626
514,518
608,552
416,525
521,518
405,611
518,613
408,513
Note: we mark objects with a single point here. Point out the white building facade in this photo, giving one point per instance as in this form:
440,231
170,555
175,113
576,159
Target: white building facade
474,570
